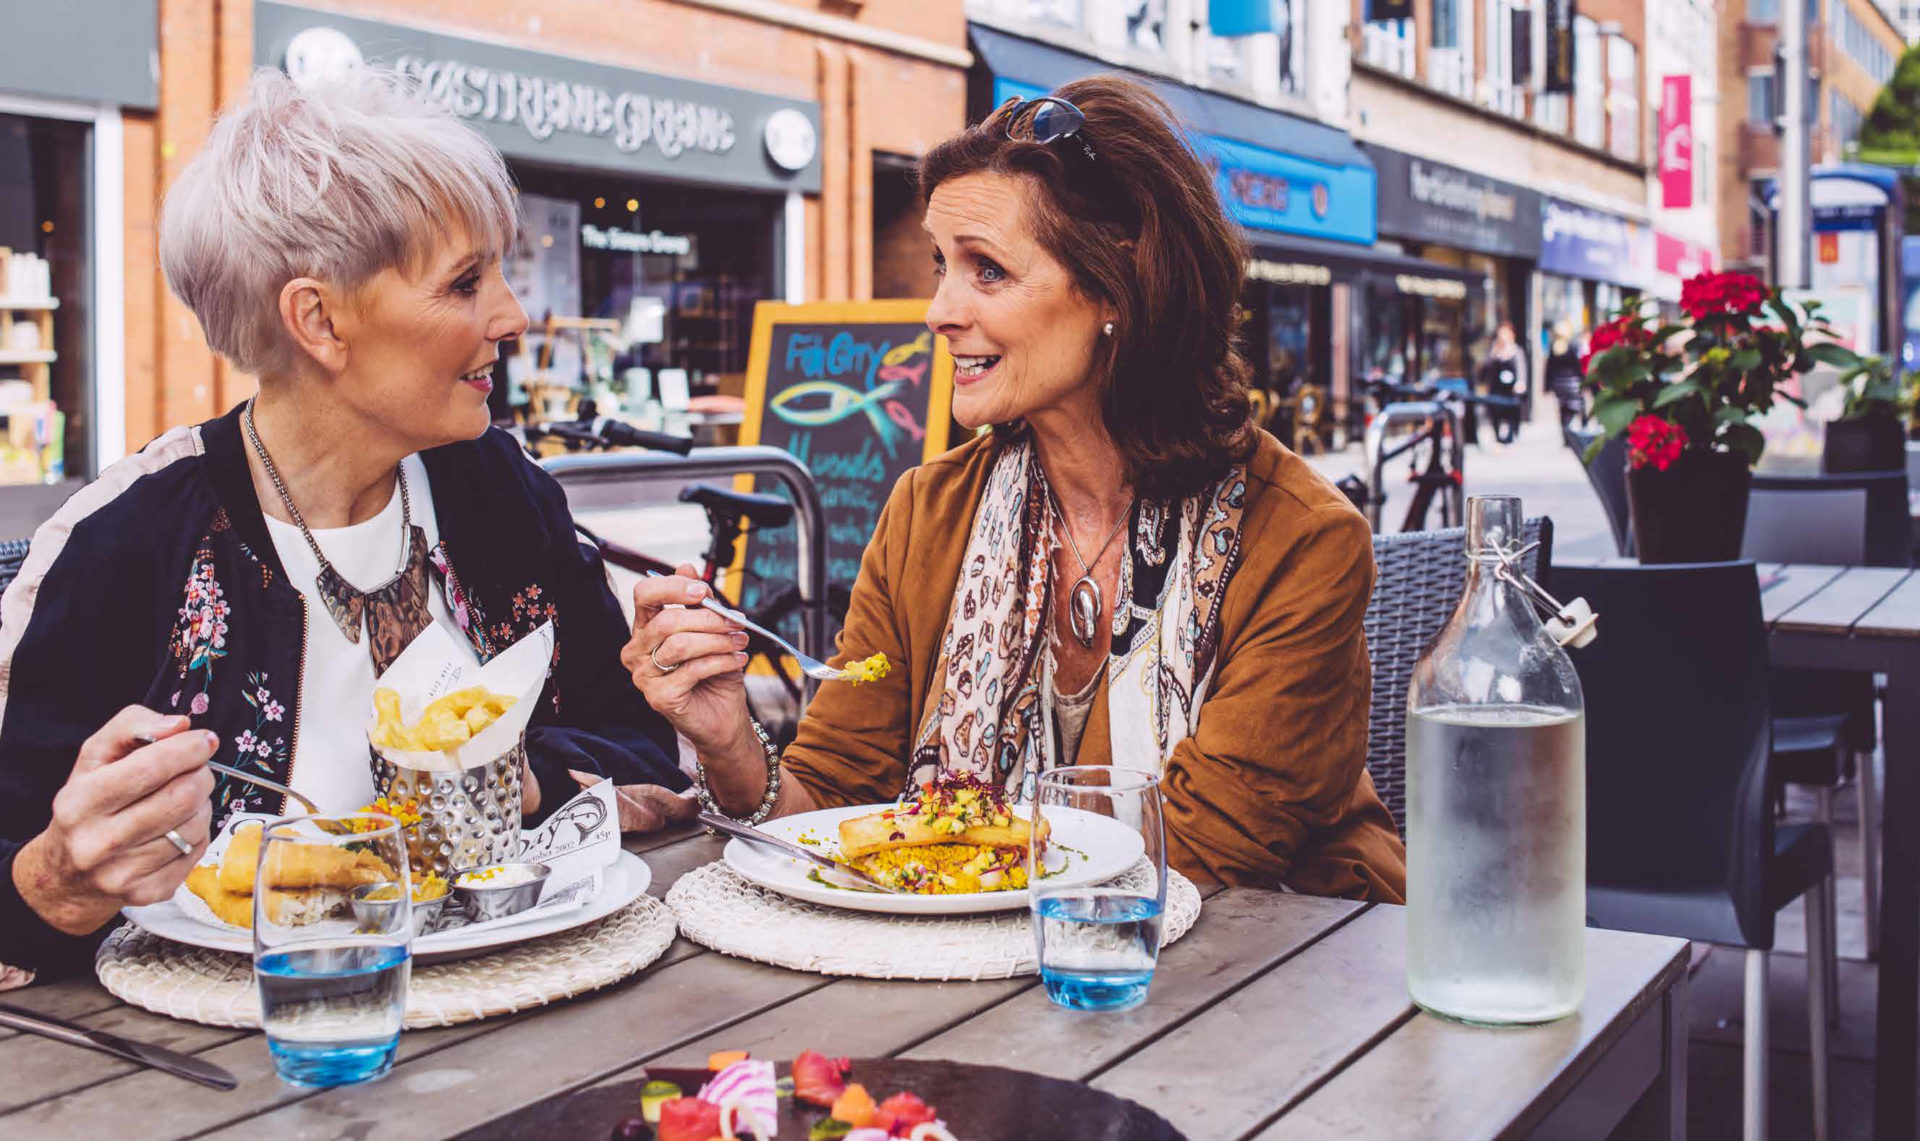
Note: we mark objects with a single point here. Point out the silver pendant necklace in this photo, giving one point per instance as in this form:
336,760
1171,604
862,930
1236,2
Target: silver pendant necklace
1084,600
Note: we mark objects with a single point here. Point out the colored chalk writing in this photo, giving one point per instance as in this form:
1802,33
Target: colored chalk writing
859,392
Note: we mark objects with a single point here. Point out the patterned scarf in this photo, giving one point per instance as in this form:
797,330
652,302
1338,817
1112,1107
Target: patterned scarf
993,717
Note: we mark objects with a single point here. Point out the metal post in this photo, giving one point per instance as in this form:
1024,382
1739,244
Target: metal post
1793,232
809,525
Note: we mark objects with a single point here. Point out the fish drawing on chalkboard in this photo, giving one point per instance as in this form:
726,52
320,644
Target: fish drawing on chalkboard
816,403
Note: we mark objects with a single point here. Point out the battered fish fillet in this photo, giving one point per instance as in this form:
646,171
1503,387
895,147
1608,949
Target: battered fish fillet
230,906
297,865
865,835
289,908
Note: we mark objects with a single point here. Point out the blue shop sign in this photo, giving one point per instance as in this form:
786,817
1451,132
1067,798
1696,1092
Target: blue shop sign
1593,245
1268,190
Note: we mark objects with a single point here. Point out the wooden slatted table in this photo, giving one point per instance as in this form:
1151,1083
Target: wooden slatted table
1278,1016
1867,619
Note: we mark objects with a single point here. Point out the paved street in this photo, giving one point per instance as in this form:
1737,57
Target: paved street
1538,467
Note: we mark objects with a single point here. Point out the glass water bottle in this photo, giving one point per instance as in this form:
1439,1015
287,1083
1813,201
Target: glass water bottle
1496,801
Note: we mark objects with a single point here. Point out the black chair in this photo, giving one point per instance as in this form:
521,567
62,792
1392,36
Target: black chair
13,552
1824,726
1608,475
1681,838
1858,519
1418,579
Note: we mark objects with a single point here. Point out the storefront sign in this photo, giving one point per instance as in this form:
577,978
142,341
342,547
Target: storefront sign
1593,245
95,51
1676,142
626,241
1557,16
1679,257
1444,287
1267,190
560,110
1302,177
1432,202
1288,272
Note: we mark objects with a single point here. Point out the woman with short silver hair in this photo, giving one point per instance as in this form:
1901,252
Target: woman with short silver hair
234,590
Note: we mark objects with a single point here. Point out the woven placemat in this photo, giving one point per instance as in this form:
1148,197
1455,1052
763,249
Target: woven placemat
216,987
718,909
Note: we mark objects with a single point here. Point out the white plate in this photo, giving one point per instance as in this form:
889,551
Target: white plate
1085,848
622,882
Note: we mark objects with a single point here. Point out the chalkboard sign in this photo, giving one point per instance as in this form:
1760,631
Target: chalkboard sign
859,392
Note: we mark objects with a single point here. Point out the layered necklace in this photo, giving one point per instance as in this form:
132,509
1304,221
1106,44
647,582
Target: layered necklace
1085,603
393,612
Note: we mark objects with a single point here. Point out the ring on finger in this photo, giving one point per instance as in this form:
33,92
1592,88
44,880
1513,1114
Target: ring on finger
661,666
177,840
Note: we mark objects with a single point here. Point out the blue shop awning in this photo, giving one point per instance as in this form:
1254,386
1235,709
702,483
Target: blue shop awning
1275,172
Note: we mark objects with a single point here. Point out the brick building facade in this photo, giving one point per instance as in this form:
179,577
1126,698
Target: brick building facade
1852,48
880,81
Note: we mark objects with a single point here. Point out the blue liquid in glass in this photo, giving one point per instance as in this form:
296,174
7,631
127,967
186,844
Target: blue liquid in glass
332,1012
1097,947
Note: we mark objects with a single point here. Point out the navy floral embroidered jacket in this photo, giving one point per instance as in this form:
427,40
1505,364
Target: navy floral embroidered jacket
159,585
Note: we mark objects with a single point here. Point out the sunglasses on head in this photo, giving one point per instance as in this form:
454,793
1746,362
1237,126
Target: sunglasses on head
1047,119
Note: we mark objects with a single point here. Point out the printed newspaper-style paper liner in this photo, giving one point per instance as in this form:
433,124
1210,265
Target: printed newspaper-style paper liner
718,909
216,987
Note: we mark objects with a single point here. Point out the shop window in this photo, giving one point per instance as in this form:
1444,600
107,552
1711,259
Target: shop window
1147,24
1502,92
1064,13
1388,45
1623,98
637,292
1446,25
1589,84
46,373
1762,108
1450,60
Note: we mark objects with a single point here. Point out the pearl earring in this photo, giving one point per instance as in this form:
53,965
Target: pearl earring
1109,329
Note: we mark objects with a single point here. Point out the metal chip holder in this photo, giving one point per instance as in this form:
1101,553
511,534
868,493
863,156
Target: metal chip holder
1570,624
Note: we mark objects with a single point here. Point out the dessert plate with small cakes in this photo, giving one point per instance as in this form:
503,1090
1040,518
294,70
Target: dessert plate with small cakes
955,847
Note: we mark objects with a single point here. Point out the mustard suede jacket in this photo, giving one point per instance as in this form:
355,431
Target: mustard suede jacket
1272,789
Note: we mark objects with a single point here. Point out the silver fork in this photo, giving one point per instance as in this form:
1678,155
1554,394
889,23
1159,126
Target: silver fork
811,666
251,778
271,785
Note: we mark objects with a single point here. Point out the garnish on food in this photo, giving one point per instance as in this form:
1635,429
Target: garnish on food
747,1096
653,1095
819,1080
955,835
721,1059
688,1119
854,1106
902,1112
867,669
406,812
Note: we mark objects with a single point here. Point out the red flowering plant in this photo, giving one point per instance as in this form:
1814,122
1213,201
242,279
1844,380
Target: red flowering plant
1697,384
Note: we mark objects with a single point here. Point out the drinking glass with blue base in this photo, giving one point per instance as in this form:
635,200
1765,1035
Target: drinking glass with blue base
1098,944
333,984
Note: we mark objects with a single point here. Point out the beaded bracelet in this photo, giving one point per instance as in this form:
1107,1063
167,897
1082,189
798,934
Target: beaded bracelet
765,808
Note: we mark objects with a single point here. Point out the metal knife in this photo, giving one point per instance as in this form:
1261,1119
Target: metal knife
158,1057
752,835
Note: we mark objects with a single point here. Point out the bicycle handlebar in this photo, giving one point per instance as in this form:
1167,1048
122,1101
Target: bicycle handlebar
601,432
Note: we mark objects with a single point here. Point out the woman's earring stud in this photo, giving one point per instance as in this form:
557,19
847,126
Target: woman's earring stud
1109,329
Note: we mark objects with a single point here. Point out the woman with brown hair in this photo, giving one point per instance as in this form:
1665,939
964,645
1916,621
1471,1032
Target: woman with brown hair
1122,571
